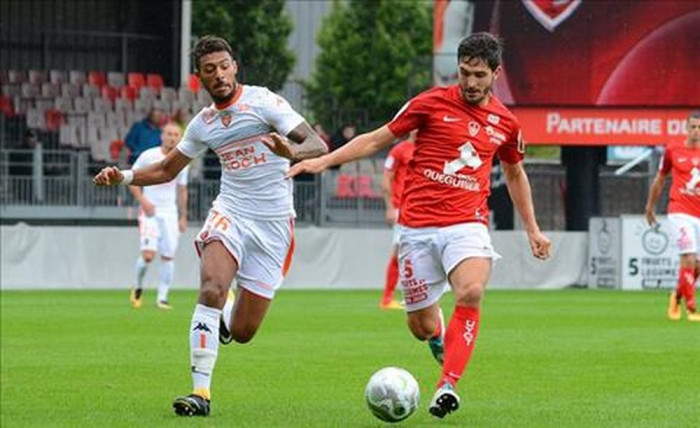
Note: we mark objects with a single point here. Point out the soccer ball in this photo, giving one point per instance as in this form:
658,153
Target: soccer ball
392,394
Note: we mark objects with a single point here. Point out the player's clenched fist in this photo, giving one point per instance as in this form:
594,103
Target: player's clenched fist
109,176
540,245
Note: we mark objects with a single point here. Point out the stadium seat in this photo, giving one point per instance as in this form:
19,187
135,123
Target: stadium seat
50,90
128,92
185,96
57,77
115,118
163,105
76,77
68,136
168,94
366,166
97,78
193,83
345,186
30,90
142,106
6,106
53,119
102,105
115,149
147,93
90,90
110,92
11,90
136,80
20,105
363,187
116,79
37,77
16,76
63,104
123,104
4,78
154,81
96,119
70,90
36,119
43,104
204,97
82,104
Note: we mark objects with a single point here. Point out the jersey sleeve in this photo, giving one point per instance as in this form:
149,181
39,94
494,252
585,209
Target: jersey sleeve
411,116
666,163
277,112
191,144
181,178
513,150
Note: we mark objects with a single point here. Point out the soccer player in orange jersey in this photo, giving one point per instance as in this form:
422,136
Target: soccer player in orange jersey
395,168
683,163
444,240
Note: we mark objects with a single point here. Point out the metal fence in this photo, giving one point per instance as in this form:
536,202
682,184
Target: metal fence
57,184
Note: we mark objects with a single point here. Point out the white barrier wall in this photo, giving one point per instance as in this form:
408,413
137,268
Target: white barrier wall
104,257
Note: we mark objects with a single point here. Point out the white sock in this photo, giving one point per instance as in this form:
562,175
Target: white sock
204,345
226,313
165,279
141,266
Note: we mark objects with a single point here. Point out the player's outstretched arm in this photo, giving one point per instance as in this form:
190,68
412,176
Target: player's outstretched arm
521,195
359,147
654,194
156,173
301,143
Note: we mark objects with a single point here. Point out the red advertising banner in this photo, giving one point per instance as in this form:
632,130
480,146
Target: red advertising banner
596,126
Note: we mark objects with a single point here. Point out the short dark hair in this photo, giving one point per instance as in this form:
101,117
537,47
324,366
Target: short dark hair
210,44
694,115
484,46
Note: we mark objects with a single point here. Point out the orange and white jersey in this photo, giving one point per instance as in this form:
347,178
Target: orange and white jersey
162,196
253,182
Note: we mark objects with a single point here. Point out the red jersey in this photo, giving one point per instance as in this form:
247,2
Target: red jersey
448,180
684,165
397,160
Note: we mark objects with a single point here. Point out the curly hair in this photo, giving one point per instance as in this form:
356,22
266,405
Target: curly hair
210,44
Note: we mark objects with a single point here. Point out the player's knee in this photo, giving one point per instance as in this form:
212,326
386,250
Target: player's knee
148,256
243,334
421,328
212,292
469,295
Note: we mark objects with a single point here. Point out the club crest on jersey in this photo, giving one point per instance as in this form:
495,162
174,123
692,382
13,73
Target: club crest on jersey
226,119
551,13
473,128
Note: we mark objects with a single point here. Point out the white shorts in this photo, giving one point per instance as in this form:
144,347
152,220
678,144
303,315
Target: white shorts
428,255
159,233
688,232
262,248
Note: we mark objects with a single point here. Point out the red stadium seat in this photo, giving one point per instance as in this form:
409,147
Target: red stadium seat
128,92
193,83
109,92
97,78
363,186
154,81
54,120
6,106
345,186
136,80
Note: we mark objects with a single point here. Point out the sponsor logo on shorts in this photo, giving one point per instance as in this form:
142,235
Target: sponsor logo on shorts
415,290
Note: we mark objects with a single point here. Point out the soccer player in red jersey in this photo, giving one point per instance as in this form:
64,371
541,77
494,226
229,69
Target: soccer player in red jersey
395,168
444,215
683,162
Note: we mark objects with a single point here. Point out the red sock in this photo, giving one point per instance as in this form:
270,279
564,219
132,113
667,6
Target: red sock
392,278
460,339
686,286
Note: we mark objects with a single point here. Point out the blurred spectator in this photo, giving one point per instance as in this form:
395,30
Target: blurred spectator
182,118
144,134
341,137
22,161
323,134
346,133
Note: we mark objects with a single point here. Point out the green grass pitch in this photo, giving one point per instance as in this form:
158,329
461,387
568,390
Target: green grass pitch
577,358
